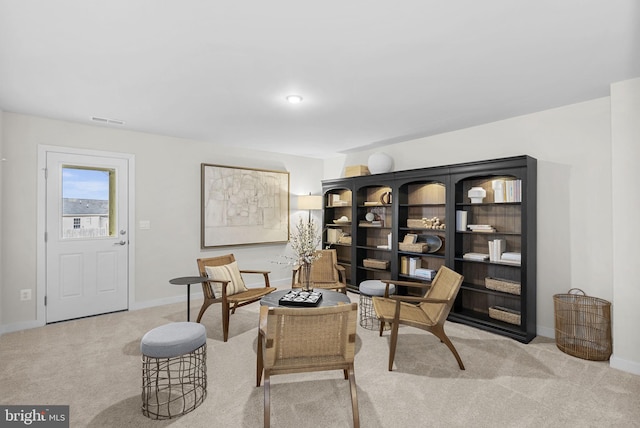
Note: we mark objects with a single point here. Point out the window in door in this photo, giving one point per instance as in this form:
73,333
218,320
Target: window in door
88,202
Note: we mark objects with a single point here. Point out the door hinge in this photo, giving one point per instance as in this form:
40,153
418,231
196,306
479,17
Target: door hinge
46,236
45,300
46,173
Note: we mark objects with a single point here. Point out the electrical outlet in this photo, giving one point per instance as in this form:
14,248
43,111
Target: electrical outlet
25,294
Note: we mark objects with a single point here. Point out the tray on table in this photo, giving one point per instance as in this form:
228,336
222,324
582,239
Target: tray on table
301,298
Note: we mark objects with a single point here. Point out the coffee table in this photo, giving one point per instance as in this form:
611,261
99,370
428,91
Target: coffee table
329,298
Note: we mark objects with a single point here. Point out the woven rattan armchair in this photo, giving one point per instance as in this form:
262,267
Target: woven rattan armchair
295,340
230,302
427,313
326,273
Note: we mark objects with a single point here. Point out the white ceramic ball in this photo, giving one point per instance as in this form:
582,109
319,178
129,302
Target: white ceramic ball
380,162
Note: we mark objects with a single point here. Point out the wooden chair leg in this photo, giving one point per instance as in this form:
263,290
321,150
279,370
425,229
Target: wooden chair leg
392,345
267,403
204,307
259,360
381,326
354,398
440,334
225,322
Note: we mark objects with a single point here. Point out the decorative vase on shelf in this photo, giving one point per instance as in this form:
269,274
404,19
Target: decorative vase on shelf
477,194
379,163
305,277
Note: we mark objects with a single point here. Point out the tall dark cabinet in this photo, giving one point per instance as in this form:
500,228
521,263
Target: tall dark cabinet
402,221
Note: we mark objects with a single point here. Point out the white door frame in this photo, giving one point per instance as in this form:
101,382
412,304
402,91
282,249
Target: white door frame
41,274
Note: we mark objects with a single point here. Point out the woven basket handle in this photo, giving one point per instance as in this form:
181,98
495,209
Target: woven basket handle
577,291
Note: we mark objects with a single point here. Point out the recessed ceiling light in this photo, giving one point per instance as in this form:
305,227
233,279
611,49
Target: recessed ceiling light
294,99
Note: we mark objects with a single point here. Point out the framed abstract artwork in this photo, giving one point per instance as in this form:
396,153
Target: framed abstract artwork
242,206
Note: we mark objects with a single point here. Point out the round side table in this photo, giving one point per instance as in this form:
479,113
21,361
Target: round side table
188,280
368,289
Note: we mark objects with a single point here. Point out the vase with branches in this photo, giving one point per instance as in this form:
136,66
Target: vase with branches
304,242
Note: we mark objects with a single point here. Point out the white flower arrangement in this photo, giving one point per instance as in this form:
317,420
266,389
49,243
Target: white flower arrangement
304,242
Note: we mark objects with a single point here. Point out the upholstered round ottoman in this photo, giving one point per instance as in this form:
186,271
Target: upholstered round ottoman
368,289
174,369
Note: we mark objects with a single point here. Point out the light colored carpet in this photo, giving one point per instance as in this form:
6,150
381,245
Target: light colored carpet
93,365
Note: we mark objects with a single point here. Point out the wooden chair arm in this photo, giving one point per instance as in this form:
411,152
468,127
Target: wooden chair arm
406,283
264,273
255,271
414,299
403,283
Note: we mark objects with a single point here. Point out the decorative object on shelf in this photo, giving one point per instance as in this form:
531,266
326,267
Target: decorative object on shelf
385,198
434,242
370,217
504,285
243,206
380,163
504,314
342,220
426,223
356,170
477,194
416,247
375,263
345,239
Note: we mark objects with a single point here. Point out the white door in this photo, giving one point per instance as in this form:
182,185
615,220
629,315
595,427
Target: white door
86,235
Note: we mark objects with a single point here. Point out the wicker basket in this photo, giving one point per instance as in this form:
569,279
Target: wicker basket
416,222
583,325
504,285
418,247
375,263
504,314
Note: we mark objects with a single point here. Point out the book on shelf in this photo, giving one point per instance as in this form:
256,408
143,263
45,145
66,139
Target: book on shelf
496,248
487,228
507,190
461,220
425,273
512,256
475,256
414,263
404,265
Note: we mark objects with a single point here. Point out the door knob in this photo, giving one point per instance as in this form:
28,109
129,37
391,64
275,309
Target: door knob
121,243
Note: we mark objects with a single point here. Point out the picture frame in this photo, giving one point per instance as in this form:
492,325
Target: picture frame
243,206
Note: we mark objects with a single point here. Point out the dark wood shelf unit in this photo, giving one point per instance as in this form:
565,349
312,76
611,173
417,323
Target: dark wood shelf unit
438,192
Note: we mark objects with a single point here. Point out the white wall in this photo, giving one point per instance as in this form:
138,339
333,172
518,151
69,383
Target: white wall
2,241
625,114
167,194
582,227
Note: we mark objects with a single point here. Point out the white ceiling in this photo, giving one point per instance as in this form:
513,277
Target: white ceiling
371,72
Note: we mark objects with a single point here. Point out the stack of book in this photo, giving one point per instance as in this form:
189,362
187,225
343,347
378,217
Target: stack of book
475,256
487,228
428,274
511,258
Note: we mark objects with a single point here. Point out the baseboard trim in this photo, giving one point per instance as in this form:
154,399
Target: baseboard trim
632,367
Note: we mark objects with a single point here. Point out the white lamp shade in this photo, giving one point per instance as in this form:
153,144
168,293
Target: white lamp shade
309,202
